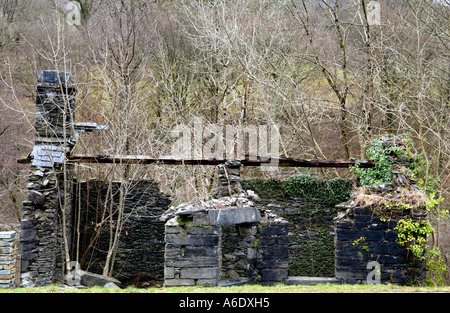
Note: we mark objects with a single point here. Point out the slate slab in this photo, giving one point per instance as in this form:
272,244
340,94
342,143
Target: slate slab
234,216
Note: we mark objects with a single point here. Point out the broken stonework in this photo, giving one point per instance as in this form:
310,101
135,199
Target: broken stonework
41,229
234,239
229,180
365,229
224,241
241,201
191,254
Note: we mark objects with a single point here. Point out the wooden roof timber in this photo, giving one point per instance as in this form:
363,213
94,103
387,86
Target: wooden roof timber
282,162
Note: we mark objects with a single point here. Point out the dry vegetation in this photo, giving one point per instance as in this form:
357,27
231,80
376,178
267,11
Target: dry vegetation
318,69
398,200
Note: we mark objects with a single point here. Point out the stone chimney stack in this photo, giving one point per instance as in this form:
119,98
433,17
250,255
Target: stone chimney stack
50,182
55,106
229,182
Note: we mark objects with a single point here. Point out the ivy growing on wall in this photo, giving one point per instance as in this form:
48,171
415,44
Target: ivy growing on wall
411,234
315,253
330,192
316,257
383,157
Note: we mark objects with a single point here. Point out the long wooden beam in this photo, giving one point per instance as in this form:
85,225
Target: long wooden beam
282,162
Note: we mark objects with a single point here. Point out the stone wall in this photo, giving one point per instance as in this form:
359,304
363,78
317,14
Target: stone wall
8,259
365,230
362,237
229,179
224,241
41,240
52,100
192,254
237,238
307,202
46,212
210,242
311,234
140,254
272,250
239,252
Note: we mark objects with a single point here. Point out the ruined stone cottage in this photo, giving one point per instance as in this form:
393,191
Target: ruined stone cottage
235,238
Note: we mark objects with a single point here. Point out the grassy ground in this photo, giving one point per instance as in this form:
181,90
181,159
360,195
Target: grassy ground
322,288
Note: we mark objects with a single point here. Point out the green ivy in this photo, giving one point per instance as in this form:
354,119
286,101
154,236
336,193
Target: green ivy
270,188
330,192
411,234
316,257
382,157
414,235
436,266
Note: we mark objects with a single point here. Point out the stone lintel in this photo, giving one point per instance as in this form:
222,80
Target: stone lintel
234,216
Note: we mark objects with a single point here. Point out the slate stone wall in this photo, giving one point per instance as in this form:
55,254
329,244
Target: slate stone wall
365,230
272,251
255,253
239,251
140,254
225,246
192,254
362,238
229,179
310,235
8,259
51,101
49,200
41,238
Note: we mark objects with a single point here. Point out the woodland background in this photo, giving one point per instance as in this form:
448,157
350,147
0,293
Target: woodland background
319,70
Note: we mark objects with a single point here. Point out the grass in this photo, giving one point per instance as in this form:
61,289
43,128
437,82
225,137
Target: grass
321,288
